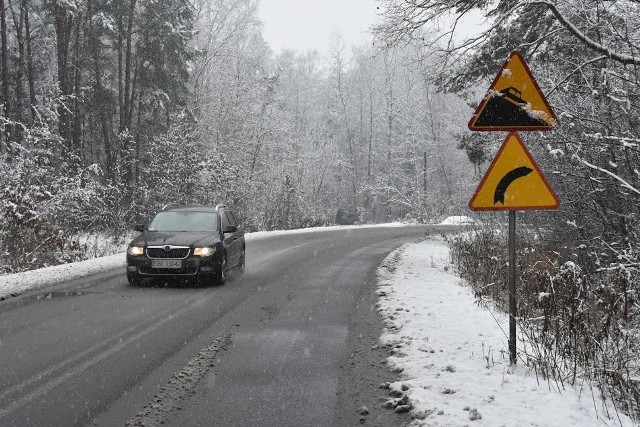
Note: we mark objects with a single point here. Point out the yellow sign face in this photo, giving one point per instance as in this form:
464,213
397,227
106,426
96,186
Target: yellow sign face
514,101
513,182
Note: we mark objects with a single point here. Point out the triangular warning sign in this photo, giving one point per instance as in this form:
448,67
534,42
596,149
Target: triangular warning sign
513,181
514,101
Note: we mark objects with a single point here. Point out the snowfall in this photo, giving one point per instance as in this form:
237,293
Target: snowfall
450,353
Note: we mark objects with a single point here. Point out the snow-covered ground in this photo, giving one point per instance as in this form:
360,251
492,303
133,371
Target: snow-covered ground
450,353
16,284
458,220
453,354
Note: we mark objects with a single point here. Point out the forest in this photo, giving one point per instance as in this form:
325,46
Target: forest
112,109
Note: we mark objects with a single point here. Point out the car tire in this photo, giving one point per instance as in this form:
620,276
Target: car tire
134,279
241,261
220,275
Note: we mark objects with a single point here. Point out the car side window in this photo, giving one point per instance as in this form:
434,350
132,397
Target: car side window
231,218
224,219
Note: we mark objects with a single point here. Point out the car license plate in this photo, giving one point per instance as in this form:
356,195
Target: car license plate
166,263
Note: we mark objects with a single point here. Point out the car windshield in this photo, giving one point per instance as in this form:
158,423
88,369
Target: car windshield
184,221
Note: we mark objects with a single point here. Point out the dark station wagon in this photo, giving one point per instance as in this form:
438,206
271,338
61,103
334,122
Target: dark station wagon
194,243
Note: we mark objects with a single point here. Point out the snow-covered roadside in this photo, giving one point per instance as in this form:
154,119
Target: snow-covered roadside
453,357
265,234
19,283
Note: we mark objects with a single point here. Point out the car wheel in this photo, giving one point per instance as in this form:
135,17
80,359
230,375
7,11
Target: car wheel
134,279
241,262
220,275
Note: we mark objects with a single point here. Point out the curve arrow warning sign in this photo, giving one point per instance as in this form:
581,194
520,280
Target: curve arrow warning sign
514,101
513,181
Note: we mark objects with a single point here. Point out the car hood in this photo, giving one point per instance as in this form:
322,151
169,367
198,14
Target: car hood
161,238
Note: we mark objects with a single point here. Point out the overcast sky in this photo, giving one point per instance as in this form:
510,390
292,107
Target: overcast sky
310,24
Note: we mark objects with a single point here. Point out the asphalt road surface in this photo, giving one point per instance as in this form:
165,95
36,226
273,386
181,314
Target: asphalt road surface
290,342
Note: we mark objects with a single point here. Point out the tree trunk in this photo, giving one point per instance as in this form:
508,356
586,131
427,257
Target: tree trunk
134,85
18,23
76,116
137,159
128,98
30,78
120,88
6,130
99,90
63,25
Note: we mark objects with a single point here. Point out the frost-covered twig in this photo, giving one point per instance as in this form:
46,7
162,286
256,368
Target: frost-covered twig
624,183
575,70
620,57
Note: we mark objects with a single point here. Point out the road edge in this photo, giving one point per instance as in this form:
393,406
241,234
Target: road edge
364,378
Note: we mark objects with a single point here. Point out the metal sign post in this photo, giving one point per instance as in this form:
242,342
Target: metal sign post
512,287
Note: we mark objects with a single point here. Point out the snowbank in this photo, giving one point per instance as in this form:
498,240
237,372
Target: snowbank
15,284
453,354
458,220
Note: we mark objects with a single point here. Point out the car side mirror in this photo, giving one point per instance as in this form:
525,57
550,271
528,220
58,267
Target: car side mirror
138,227
230,229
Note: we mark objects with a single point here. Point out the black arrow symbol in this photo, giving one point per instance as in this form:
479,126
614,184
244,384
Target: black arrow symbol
506,181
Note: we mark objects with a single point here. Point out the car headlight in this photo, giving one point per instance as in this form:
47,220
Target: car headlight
206,251
135,250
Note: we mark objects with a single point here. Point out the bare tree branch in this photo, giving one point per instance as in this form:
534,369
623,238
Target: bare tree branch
623,183
619,57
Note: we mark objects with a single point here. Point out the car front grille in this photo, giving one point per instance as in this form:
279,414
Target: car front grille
185,271
167,251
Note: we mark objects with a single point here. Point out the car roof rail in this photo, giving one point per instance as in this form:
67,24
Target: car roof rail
179,205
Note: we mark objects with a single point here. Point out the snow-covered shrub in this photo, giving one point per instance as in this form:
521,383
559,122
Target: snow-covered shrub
43,203
577,306
478,257
29,238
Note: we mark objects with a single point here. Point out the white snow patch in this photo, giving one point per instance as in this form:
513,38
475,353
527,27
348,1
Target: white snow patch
453,354
543,295
555,152
458,220
264,234
13,284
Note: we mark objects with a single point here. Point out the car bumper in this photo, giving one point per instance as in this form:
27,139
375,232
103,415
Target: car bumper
189,267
